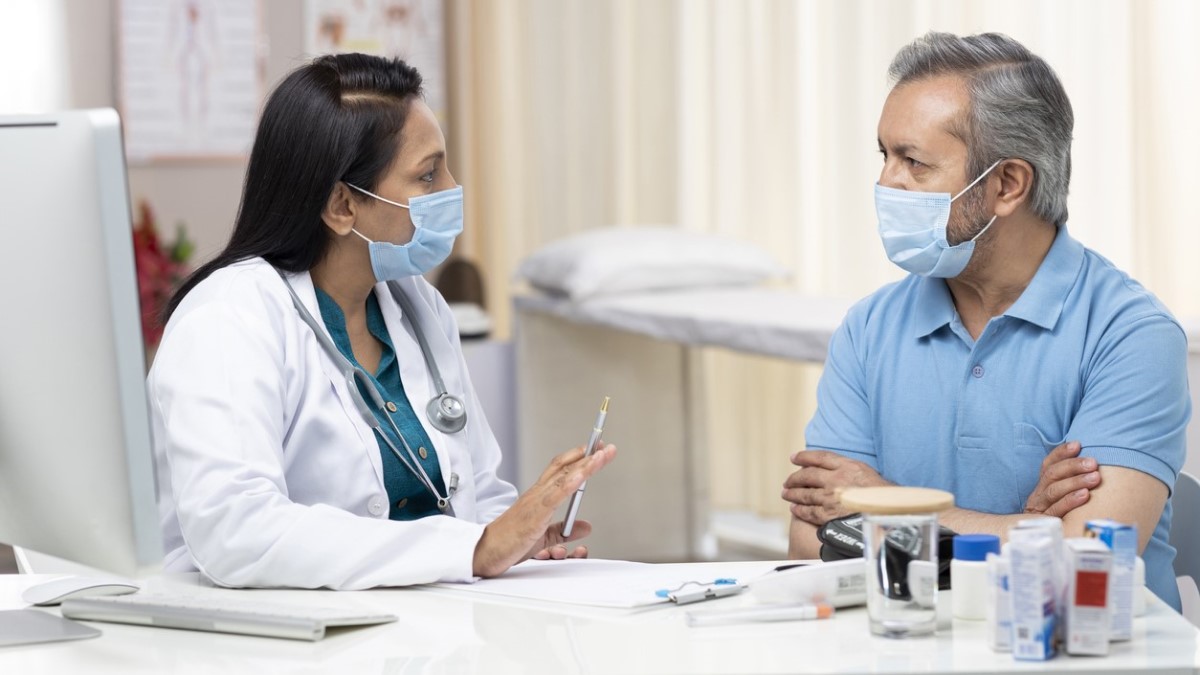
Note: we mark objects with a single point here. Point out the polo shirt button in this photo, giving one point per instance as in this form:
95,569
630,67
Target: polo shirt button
402,503
375,506
391,406
977,371
423,452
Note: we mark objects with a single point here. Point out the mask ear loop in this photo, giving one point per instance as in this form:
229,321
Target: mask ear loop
985,228
974,182
382,199
372,194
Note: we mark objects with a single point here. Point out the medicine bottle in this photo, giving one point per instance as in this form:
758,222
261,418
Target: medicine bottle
968,574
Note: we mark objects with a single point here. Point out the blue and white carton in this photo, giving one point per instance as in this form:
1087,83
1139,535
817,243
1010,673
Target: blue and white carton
999,603
1033,556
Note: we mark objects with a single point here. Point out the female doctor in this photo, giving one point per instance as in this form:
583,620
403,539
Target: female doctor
301,432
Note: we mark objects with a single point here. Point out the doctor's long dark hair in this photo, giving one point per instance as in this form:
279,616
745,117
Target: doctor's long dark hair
337,118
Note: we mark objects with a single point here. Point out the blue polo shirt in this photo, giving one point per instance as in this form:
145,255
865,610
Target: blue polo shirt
1086,353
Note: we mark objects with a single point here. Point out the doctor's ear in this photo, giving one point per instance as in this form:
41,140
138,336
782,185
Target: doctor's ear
340,210
1016,185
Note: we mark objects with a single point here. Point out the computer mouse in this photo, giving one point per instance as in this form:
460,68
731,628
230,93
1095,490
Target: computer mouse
54,592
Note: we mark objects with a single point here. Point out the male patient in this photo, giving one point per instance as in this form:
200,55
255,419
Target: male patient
1012,366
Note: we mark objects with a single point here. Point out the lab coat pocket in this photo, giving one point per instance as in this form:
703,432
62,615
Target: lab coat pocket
1029,449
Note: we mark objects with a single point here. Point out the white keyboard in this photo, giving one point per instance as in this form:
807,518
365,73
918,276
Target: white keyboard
219,614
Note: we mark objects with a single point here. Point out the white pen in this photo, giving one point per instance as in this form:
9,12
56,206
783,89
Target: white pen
759,614
573,508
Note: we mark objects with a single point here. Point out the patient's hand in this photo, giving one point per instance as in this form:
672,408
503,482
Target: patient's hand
1065,483
813,488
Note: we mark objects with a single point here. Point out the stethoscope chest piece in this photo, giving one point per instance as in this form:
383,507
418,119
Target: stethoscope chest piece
446,413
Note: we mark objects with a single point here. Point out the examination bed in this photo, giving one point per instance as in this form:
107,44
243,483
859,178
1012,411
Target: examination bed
638,349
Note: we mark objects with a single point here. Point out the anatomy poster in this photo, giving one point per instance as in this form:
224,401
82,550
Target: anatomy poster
189,77
413,30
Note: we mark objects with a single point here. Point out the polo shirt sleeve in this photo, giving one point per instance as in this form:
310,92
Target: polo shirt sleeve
842,422
1135,406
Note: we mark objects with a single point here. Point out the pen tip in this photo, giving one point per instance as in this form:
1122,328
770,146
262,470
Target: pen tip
604,406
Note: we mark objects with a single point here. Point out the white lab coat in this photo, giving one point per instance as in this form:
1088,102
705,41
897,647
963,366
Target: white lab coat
268,475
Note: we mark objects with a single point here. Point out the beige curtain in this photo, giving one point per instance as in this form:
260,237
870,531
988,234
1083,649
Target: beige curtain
757,118
565,123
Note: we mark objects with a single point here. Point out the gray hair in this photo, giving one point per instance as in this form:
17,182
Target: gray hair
1019,109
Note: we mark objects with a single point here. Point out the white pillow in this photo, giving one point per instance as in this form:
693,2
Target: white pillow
616,260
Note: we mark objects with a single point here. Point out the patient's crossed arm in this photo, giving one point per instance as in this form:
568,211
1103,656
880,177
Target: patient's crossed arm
1070,487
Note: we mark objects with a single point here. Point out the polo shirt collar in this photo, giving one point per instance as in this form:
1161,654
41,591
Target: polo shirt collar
1044,298
934,306
1041,303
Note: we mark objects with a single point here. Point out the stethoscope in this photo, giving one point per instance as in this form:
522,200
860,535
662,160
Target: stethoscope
444,411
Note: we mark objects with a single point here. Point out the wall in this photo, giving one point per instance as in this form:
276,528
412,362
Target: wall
203,194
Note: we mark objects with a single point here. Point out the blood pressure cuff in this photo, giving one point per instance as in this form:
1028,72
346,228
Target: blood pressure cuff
842,538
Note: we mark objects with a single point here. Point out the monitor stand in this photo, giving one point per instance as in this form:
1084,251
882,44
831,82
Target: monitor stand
31,626
32,562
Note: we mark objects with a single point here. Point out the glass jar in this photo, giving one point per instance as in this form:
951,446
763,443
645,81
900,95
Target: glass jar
900,551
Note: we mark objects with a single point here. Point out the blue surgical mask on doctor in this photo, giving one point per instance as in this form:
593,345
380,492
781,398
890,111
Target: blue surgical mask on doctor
912,226
437,220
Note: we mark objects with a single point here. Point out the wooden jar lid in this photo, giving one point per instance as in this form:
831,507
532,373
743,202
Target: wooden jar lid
896,500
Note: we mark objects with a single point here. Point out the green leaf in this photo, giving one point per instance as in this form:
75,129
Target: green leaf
183,247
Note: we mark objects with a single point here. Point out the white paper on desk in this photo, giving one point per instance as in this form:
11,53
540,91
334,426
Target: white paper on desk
606,583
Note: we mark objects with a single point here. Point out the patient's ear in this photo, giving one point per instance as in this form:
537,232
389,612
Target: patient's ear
1016,186
340,210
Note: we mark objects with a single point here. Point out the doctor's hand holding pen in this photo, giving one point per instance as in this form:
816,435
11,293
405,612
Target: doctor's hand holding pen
525,530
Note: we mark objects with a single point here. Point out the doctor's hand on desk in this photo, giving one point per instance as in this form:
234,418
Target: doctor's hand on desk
525,530
813,488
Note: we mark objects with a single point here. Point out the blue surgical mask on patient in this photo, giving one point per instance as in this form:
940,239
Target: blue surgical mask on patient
437,220
912,226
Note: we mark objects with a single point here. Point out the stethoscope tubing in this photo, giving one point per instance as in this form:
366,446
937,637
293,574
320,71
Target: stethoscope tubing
354,375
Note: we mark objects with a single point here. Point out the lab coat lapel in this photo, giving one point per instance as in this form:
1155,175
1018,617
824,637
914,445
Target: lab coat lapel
303,285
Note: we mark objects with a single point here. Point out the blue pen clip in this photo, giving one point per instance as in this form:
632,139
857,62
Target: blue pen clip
718,588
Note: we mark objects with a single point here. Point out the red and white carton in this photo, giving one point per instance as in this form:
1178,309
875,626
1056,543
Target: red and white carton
1087,619
1122,540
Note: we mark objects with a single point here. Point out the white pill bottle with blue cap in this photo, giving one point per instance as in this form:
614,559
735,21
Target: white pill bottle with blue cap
969,575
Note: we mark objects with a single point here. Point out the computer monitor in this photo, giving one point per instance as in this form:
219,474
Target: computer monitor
76,465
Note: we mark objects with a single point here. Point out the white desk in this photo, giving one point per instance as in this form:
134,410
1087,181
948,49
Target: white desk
451,632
